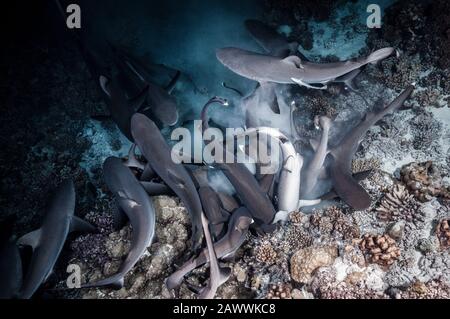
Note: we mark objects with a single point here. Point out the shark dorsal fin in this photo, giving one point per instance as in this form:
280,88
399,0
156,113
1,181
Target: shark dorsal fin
294,60
31,239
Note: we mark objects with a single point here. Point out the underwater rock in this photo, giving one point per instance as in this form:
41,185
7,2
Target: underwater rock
396,230
307,260
424,181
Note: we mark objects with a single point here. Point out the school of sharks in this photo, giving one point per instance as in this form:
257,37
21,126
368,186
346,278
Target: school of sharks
220,222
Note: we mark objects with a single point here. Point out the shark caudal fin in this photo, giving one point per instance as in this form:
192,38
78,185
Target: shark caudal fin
115,282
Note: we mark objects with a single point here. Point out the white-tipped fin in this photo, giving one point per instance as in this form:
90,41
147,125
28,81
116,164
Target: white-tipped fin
300,82
31,239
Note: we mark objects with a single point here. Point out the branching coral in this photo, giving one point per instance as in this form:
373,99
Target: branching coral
398,204
265,253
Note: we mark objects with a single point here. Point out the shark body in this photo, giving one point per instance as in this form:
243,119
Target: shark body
292,70
48,241
346,187
237,229
158,154
135,203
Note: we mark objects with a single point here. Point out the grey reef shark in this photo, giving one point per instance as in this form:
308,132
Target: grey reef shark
277,45
48,241
134,202
158,154
226,247
128,92
283,64
159,105
292,70
247,187
344,184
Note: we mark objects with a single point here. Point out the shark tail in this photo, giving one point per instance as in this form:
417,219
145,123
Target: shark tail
348,189
115,282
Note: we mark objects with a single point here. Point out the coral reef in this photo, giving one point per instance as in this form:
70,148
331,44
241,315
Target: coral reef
280,291
380,249
434,289
443,233
404,252
424,181
265,253
398,204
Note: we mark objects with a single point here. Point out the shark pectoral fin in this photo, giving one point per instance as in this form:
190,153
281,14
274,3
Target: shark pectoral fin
330,195
132,160
79,225
308,202
136,103
176,180
221,220
274,106
156,189
119,217
231,257
360,176
300,82
148,173
348,79
169,88
194,289
294,60
282,216
224,274
31,239
104,83
349,190
115,282
266,182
